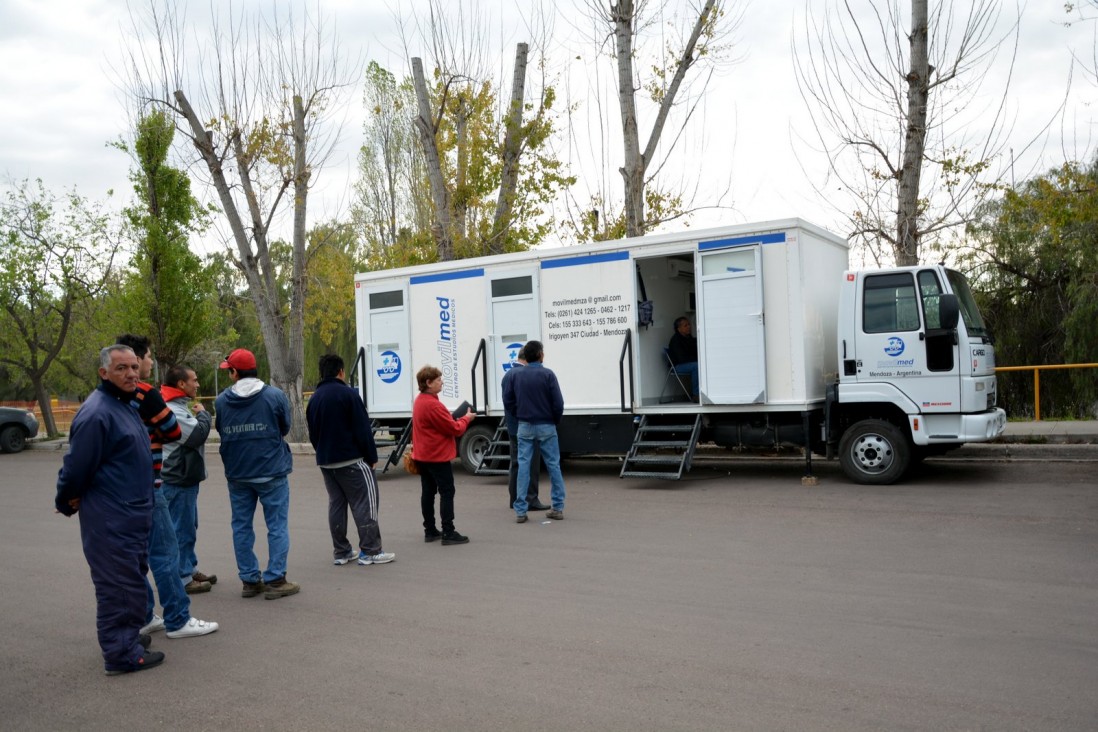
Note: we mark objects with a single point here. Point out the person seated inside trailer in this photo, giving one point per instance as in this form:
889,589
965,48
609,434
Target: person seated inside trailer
683,352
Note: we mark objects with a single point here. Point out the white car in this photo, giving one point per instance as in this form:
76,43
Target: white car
16,427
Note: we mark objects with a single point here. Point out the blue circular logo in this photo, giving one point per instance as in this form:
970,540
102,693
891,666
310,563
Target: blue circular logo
513,351
895,346
390,367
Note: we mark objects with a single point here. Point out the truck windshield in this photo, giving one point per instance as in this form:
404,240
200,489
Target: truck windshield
974,323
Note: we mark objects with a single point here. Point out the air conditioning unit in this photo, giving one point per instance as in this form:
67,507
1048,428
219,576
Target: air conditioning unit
679,269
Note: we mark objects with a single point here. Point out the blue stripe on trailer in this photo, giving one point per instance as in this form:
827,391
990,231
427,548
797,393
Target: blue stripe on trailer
585,259
443,276
740,241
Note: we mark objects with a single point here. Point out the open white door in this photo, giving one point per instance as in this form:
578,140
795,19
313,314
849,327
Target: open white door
731,336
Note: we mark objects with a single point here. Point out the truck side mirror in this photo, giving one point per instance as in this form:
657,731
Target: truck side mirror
948,311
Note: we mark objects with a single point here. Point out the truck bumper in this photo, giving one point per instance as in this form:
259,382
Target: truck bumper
936,429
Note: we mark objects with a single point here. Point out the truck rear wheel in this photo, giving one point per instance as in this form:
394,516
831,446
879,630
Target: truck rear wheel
473,446
874,452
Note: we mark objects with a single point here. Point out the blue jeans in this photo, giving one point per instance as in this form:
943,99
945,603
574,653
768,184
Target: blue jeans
689,369
546,437
275,497
164,563
183,506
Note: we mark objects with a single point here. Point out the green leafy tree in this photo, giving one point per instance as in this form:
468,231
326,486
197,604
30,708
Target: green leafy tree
167,295
57,253
1036,254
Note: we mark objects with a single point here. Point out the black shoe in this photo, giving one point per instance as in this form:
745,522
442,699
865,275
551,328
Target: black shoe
433,535
537,506
148,659
453,537
145,640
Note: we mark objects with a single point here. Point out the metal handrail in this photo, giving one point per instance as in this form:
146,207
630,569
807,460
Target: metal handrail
626,348
1037,379
482,351
359,369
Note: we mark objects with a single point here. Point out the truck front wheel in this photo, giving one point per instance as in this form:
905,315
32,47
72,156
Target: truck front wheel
473,445
874,452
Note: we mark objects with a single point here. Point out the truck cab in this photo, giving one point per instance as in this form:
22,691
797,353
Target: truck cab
916,370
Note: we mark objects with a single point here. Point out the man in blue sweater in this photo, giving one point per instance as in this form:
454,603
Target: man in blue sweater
533,396
339,428
252,418
107,478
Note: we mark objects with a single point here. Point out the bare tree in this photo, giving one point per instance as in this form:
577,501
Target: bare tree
628,21
896,109
256,111
459,84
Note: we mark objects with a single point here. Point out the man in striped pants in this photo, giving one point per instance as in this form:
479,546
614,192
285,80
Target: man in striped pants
339,429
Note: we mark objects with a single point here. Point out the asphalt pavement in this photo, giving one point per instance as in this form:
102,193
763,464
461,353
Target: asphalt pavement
736,599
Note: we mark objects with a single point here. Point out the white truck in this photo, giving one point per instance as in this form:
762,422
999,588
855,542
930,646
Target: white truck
880,367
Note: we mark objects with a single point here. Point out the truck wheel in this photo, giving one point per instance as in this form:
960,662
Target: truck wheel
874,452
12,439
473,446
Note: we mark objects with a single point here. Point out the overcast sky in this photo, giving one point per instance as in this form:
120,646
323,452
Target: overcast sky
61,104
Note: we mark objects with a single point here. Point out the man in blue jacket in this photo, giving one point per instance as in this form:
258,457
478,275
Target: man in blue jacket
252,418
339,428
533,396
107,478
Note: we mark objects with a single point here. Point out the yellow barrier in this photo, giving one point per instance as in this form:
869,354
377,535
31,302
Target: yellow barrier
1037,379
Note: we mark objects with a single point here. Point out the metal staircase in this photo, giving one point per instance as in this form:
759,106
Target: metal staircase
662,448
399,439
497,458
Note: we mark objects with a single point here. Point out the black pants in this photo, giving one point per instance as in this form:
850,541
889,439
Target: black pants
437,478
353,486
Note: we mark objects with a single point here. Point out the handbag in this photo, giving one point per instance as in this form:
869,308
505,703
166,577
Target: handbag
410,463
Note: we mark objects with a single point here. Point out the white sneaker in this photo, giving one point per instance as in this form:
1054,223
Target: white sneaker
379,558
194,627
346,559
157,623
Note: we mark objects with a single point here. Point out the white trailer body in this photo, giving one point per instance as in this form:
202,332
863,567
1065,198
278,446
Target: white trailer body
772,304
762,297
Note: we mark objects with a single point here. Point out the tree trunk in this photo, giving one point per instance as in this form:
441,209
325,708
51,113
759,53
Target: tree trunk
623,18
632,172
286,371
512,148
49,424
907,194
295,354
426,128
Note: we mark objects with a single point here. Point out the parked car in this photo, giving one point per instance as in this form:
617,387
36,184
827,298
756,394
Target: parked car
16,427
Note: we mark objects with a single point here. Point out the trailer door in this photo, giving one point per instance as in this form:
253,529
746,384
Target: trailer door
731,348
390,383
514,321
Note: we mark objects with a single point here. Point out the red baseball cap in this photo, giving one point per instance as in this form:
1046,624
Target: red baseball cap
241,359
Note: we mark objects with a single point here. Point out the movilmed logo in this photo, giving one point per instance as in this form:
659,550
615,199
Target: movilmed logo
895,347
390,367
512,353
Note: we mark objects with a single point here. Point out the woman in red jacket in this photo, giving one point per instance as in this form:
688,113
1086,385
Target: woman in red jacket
433,433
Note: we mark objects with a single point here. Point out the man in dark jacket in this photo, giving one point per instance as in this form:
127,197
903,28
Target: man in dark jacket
339,428
107,478
682,349
184,468
533,396
533,503
252,419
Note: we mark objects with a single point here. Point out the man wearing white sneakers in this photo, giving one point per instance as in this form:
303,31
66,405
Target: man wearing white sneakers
339,428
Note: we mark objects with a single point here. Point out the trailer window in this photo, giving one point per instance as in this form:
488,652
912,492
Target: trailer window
890,304
511,286
382,300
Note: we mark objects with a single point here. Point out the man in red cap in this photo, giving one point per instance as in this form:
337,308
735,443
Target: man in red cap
252,420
